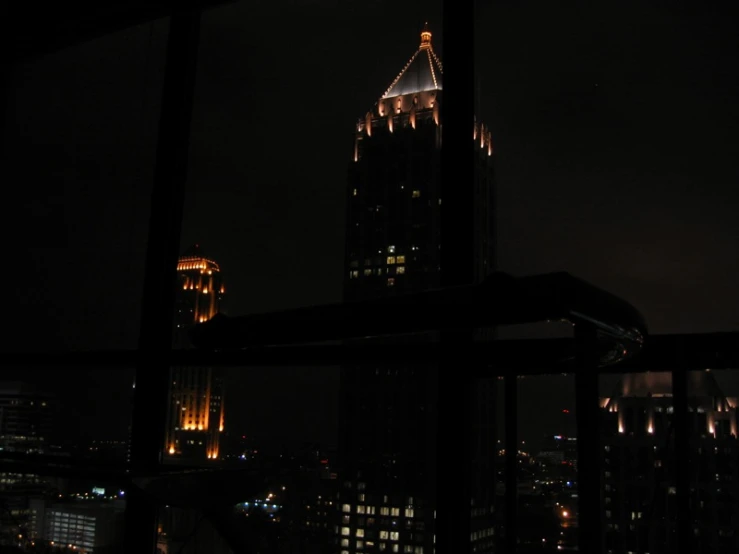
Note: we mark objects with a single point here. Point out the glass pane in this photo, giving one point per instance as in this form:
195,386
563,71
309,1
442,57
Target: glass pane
79,141
277,109
591,154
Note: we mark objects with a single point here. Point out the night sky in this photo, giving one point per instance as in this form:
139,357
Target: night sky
615,128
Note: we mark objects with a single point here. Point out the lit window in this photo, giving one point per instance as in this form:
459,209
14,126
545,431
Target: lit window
416,194
383,535
353,274
345,531
383,546
361,497
367,272
345,543
354,192
400,259
361,510
395,548
390,282
409,512
395,512
394,535
390,260
399,270
391,249
360,545
371,510
360,532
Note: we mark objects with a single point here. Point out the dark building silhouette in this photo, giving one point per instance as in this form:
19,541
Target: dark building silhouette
387,442
26,424
25,419
640,511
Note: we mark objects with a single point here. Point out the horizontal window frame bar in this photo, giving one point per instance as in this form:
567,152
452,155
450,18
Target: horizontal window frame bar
692,352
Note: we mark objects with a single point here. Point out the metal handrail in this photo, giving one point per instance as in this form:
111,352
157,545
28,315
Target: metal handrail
499,300
525,357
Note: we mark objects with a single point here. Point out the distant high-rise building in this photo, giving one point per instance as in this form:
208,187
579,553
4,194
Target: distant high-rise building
640,512
25,419
26,424
387,442
196,403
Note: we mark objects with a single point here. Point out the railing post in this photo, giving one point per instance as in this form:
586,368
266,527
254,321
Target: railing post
511,463
155,342
683,458
455,395
589,475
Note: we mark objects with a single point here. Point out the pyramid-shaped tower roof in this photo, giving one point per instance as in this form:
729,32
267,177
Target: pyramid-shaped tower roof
423,71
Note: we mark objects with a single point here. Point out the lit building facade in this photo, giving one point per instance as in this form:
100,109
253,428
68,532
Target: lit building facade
195,418
639,472
85,526
387,442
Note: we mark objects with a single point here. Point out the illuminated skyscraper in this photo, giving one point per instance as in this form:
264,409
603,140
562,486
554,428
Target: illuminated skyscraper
196,411
394,192
387,441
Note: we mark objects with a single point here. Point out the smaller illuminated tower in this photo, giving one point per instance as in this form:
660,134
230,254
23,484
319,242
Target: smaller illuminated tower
196,410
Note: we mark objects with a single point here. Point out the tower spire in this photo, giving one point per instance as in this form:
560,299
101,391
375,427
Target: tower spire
425,36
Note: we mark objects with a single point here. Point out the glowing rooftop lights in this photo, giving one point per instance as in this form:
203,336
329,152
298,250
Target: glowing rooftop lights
432,57
431,65
425,36
192,263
